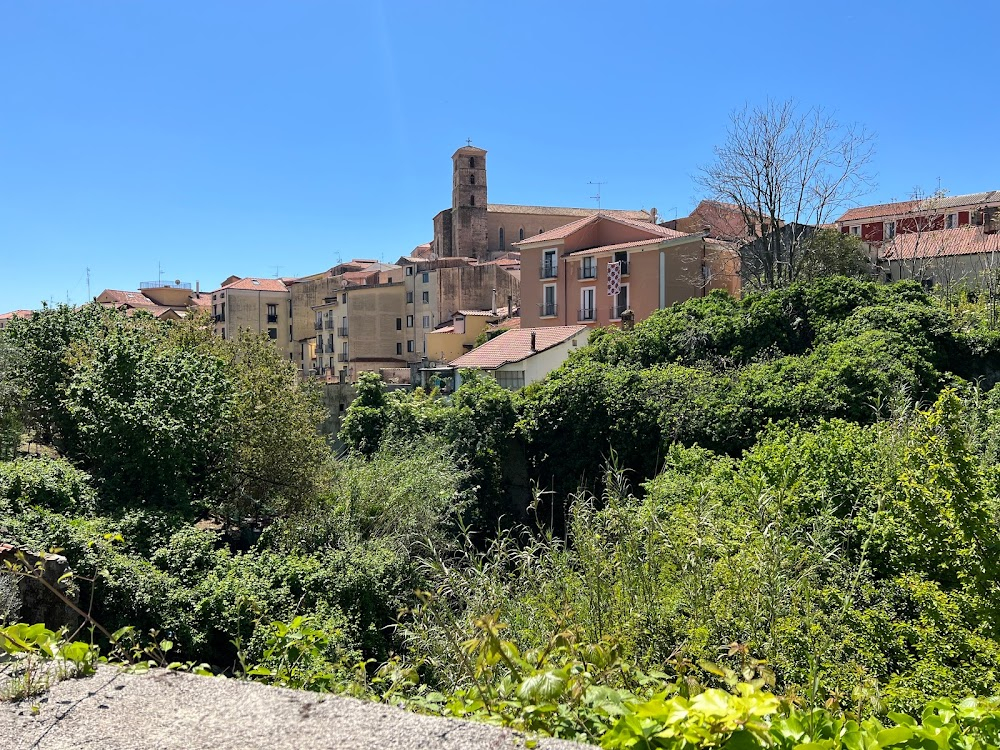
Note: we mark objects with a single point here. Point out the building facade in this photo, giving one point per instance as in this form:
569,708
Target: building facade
592,270
254,305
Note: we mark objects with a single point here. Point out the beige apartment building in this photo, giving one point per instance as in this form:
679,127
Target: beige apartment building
254,305
592,270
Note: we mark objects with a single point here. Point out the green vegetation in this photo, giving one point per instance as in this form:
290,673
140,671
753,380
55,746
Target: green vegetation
762,522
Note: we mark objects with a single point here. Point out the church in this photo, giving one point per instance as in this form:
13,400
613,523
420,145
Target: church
475,228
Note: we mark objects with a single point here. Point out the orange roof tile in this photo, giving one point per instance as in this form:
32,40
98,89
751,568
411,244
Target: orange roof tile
561,233
625,245
968,240
257,285
515,345
17,314
878,210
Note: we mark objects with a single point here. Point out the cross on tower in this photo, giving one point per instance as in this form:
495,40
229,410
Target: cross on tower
468,141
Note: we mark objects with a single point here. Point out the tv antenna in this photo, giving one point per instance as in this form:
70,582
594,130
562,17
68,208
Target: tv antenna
598,196
89,298
277,271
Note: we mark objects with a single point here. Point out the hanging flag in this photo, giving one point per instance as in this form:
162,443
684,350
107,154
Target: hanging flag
614,278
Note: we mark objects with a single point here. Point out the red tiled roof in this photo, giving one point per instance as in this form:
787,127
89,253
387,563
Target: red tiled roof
561,233
878,210
503,208
515,345
623,246
17,314
122,297
257,285
968,240
720,219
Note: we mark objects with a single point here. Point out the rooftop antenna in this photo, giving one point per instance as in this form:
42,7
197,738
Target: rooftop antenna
598,196
277,271
159,273
89,298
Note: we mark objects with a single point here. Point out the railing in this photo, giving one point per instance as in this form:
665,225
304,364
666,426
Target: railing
616,311
342,332
342,357
319,325
588,272
328,324
547,310
585,314
272,318
548,270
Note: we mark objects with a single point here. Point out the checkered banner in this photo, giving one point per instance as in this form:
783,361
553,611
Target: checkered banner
614,278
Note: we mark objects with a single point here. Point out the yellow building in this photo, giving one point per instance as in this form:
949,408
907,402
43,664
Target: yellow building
255,305
459,337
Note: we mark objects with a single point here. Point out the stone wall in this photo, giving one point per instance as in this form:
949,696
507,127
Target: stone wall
25,571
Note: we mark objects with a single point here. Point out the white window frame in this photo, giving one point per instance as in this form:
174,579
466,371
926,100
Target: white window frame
889,230
856,230
554,265
555,299
593,302
951,221
618,297
588,262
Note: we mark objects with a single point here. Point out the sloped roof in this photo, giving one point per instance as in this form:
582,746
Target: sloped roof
16,314
561,233
878,210
968,240
257,285
124,297
623,246
505,208
721,219
515,345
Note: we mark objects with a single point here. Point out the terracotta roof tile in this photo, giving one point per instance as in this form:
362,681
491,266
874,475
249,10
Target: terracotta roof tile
968,240
879,210
515,345
17,314
560,233
503,208
623,246
257,285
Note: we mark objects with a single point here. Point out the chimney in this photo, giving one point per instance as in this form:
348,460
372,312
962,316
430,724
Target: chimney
197,287
533,342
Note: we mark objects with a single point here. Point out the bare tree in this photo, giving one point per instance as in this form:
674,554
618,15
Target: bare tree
779,166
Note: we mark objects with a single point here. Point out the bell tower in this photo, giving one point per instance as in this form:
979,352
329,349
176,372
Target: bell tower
468,203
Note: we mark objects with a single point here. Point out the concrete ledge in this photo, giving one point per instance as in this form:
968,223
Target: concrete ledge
171,710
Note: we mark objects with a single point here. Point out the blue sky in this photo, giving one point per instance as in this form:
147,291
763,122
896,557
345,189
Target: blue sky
256,138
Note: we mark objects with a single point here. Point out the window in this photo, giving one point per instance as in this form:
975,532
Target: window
856,231
409,298
501,238
426,321
472,179
520,234
890,230
409,321
622,258
399,347
215,310
472,162
343,297
511,380
409,270
223,333
272,333
223,311
399,324
951,221
290,332
472,200
588,267
272,313
549,264
411,345
548,306
587,298
425,277
425,297
621,303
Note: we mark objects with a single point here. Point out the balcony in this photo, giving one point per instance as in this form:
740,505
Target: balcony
319,325
547,310
548,270
342,357
587,272
328,324
616,311
342,332
585,315
272,318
